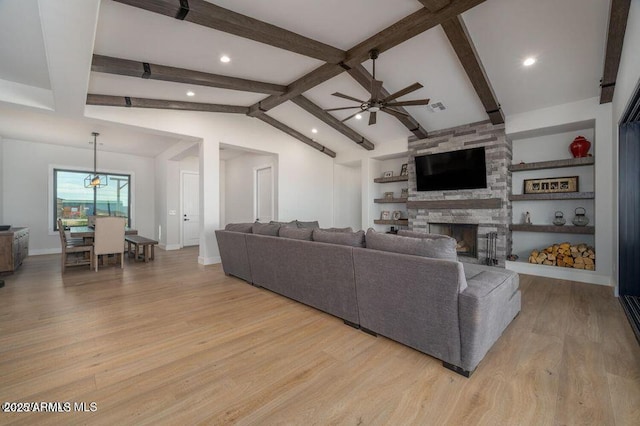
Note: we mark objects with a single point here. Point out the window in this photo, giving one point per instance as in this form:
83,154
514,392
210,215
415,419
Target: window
73,203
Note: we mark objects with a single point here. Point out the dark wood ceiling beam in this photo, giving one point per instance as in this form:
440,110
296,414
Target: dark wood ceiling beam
392,36
294,133
329,119
456,31
209,15
364,78
126,101
110,65
618,17
434,5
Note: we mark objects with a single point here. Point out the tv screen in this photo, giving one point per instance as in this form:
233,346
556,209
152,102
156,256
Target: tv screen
464,169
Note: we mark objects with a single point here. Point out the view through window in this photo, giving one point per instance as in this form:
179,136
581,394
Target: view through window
73,203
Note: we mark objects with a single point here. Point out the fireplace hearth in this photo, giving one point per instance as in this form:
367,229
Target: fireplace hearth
466,236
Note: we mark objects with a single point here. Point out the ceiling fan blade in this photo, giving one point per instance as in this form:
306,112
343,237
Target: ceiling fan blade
339,109
406,90
372,117
409,103
398,114
343,96
351,116
376,85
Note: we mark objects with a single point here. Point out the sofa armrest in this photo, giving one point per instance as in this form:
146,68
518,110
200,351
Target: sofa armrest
487,306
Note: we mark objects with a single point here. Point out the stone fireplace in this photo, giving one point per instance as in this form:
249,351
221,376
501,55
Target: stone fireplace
487,209
466,236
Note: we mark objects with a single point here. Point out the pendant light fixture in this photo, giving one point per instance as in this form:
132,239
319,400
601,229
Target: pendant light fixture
95,180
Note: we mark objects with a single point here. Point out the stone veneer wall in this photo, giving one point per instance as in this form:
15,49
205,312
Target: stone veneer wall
498,158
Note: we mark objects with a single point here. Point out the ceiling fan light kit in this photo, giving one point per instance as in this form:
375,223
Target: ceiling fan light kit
375,103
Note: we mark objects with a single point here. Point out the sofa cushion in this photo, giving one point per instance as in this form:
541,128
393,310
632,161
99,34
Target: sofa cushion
265,229
296,233
353,239
349,229
418,234
440,248
313,224
292,224
239,227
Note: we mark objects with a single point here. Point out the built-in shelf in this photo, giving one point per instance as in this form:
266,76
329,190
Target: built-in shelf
404,178
399,222
389,200
553,196
555,164
564,229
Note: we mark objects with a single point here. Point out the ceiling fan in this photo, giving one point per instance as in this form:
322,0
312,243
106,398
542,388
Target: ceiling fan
376,103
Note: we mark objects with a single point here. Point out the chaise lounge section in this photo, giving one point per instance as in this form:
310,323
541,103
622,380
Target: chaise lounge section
438,306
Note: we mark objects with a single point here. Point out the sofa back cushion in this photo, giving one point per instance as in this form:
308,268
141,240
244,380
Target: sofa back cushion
349,229
265,229
245,228
313,224
353,239
418,234
439,248
296,233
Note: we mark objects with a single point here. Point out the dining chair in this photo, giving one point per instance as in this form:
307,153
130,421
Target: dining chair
74,252
109,238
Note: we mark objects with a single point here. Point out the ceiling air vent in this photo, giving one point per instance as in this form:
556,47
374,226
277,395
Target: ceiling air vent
436,107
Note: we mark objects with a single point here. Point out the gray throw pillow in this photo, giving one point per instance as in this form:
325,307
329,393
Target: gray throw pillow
313,224
353,239
418,234
440,248
265,229
239,227
349,229
292,224
296,233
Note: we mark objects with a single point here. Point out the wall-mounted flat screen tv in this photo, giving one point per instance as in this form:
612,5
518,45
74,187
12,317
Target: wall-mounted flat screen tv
464,169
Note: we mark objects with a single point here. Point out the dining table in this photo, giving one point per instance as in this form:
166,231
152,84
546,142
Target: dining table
87,232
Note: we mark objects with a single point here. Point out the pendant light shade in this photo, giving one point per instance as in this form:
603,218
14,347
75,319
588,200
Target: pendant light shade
95,180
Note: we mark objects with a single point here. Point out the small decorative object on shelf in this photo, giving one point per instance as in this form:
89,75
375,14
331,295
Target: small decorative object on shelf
580,147
388,174
512,257
559,219
393,230
404,193
385,215
527,218
580,218
403,170
397,215
551,185
388,195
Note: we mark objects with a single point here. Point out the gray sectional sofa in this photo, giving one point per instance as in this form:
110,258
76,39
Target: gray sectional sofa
452,311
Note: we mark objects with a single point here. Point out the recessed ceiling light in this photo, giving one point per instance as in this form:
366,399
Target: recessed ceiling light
314,130
529,61
225,59
190,93
358,116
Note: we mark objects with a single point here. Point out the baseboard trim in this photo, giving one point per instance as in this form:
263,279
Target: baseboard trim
209,260
169,247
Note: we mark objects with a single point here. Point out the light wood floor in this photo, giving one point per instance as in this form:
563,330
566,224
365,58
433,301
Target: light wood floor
173,342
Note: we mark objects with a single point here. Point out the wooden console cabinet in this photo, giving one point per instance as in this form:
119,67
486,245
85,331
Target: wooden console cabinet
14,248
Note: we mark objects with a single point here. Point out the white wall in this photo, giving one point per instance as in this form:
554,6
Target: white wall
27,187
305,176
347,196
627,80
239,187
223,193
1,174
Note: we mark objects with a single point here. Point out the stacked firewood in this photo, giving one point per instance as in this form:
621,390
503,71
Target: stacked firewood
579,256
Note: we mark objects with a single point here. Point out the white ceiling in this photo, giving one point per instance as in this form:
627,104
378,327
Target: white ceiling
567,37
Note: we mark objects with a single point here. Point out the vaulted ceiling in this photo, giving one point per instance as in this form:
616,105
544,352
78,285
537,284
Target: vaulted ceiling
289,56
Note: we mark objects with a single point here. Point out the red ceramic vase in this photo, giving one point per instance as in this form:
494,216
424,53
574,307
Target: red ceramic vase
580,147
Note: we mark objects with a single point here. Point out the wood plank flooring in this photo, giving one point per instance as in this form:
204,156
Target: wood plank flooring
174,342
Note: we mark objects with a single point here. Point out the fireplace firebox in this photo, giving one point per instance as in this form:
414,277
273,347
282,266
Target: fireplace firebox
466,236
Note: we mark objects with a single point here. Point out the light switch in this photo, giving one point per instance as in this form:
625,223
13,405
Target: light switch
172,212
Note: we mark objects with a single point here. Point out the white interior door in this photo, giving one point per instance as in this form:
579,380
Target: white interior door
190,209
264,194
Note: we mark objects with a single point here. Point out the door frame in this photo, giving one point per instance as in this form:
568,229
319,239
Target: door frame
273,190
181,217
